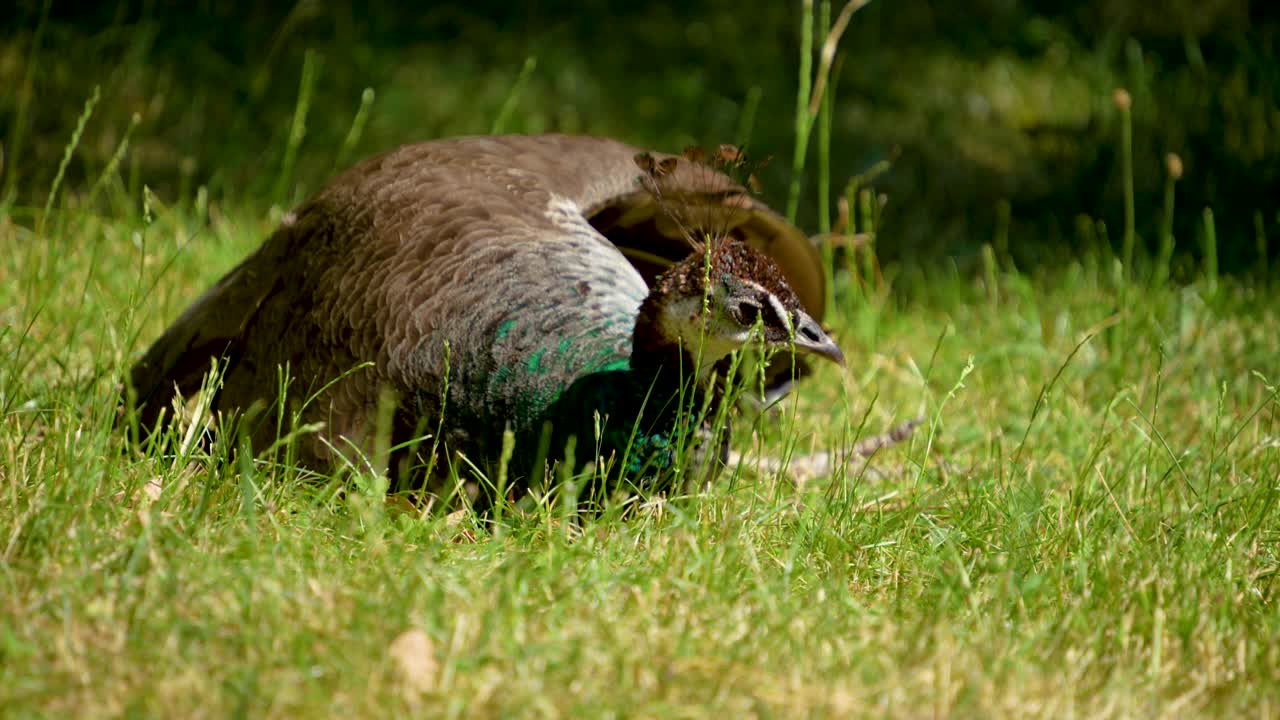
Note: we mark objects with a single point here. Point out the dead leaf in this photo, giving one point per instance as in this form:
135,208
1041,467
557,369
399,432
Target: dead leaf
150,493
153,488
415,657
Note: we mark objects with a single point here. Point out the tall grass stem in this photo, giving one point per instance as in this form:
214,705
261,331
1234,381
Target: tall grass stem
1210,252
298,128
357,128
802,120
67,153
18,130
513,96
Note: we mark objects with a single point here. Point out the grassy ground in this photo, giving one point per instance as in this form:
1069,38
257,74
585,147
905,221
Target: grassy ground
1087,525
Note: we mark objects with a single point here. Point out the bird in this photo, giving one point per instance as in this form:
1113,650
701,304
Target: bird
500,300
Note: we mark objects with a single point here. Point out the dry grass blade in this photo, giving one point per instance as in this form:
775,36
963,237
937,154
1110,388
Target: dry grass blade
828,53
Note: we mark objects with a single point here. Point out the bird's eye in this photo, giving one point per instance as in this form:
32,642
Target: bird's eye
747,312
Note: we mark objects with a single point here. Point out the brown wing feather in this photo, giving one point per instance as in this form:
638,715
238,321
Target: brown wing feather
211,328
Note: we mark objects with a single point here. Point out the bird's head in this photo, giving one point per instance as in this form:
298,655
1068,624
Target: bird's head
719,300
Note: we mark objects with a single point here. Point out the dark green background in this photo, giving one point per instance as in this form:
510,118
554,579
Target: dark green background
973,102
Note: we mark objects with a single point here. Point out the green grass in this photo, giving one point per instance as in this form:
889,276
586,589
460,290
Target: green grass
1082,526
1085,525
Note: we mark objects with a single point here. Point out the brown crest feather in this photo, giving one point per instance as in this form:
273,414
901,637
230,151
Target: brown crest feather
696,206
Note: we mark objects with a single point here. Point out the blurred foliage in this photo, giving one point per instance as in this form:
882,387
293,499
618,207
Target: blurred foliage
974,103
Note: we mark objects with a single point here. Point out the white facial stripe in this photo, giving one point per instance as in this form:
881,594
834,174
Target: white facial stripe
775,304
782,313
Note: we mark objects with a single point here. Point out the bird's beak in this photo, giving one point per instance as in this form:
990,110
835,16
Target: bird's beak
810,338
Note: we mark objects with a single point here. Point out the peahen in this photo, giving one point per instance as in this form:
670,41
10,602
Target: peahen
554,286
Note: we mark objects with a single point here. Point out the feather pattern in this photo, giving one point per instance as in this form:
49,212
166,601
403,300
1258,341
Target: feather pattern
495,267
